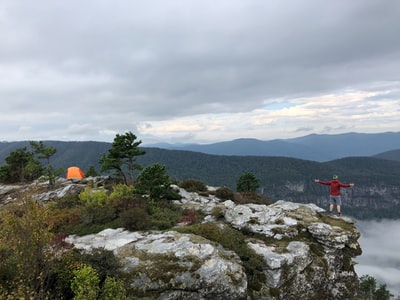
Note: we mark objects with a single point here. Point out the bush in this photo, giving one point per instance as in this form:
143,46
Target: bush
164,218
218,211
25,255
113,289
250,197
103,261
127,202
97,197
193,185
65,219
61,275
135,218
224,193
122,191
85,284
96,214
68,201
189,216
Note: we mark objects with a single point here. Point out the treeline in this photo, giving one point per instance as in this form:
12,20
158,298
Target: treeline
278,176
222,170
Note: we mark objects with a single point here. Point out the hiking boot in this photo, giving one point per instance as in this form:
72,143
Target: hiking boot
339,214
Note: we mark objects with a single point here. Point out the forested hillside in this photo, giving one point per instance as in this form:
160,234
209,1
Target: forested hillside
376,192
391,155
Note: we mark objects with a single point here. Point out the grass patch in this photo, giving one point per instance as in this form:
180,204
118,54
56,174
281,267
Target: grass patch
337,222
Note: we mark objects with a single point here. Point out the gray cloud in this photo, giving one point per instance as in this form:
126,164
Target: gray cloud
149,61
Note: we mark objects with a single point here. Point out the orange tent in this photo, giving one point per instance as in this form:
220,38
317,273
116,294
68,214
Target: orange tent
75,173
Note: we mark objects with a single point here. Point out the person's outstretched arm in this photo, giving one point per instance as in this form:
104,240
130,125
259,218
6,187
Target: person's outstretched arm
322,182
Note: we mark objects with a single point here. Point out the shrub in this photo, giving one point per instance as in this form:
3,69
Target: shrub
193,185
122,191
135,218
61,275
224,193
250,197
65,219
96,214
97,197
103,261
25,255
124,203
164,218
113,289
68,201
189,216
85,284
218,211
172,194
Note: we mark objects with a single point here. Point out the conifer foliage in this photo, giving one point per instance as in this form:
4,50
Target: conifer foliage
247,182
122,155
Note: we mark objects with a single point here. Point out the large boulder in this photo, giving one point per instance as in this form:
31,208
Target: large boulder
306,253
170,265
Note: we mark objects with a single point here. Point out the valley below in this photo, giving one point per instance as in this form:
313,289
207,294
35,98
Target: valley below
380,258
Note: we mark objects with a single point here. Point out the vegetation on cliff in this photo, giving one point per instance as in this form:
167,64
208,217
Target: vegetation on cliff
36,262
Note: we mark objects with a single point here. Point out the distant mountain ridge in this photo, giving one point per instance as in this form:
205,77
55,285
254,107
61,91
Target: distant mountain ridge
316,147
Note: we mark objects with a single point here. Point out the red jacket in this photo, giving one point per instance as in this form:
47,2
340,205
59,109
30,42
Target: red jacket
335,186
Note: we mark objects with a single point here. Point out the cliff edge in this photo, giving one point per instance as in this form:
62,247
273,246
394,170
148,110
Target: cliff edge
285,250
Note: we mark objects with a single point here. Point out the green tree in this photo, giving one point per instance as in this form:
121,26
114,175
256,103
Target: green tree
382,293
367,286
85,284
247,182
121,156
20,167
46,153
91,172
154,181
369,289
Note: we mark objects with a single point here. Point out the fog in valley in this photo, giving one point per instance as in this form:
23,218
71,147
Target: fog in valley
380,244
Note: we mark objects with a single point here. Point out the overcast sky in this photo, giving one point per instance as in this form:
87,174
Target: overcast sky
197,71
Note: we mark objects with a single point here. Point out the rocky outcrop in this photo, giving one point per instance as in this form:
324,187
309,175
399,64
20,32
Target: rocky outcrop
304,254
301,252
63,187
171,265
